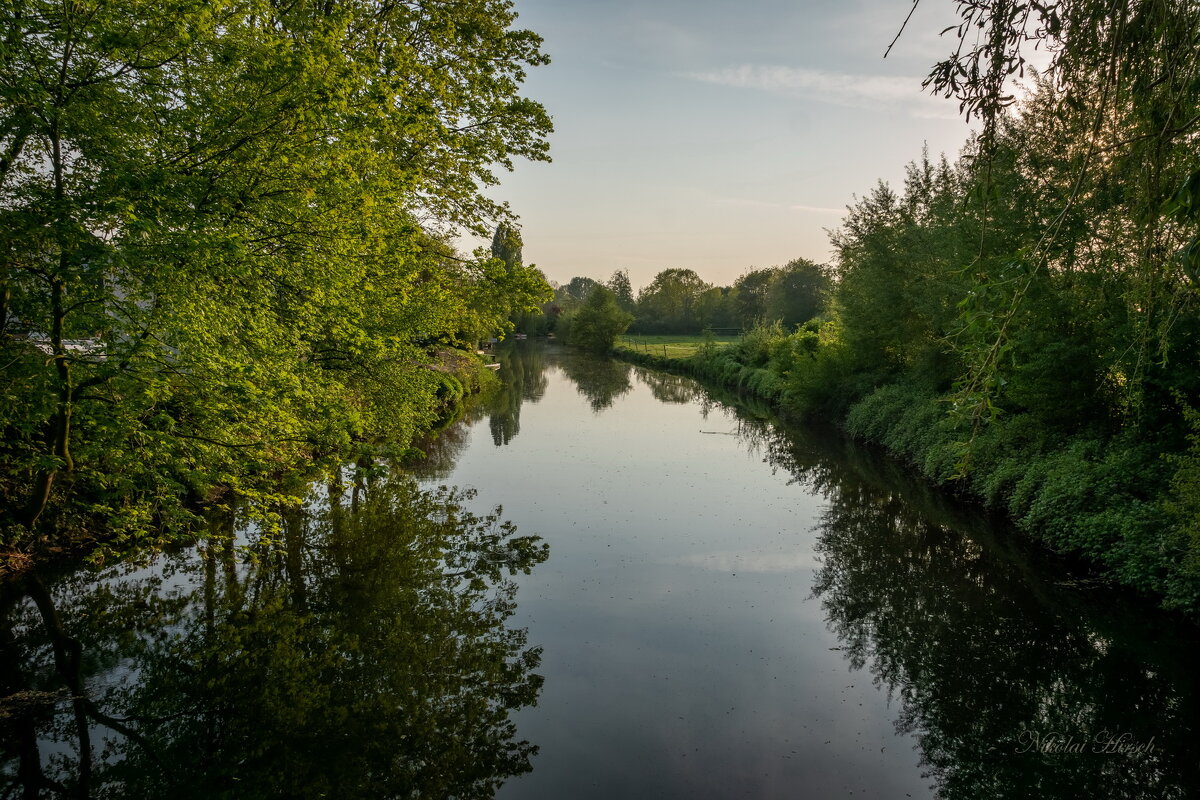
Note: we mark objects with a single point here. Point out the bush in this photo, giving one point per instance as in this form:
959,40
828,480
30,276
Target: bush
754,350
596,324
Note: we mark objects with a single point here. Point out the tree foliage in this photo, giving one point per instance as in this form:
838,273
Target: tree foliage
596,324
672,301
226,227
506,245
578,288
751,295
797,292
1035,289
622,290
1119,95
1023,321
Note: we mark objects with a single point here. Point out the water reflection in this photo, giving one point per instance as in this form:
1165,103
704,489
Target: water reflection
668,388
360,650
993,671
365,648
434,456
1013,680
524,369
600,380
523,374
523,377
1014,683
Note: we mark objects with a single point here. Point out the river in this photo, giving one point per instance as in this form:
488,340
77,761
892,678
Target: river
603,582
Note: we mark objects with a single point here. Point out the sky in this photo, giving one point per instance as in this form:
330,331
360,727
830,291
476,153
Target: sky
719,136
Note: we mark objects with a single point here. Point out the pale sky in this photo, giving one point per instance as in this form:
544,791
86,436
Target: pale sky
719,136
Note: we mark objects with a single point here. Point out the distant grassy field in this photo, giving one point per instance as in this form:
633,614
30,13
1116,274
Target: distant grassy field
676,345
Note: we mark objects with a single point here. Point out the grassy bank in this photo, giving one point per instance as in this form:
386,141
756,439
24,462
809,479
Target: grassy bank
669,346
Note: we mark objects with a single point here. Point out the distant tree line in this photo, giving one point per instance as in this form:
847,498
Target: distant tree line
680,301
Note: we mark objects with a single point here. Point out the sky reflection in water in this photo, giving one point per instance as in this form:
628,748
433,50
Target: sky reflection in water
733,608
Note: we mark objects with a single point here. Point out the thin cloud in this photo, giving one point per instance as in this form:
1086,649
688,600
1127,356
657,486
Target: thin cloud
746,203
839,88
819,209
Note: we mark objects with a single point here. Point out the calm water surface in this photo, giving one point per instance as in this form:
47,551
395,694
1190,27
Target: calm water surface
728,607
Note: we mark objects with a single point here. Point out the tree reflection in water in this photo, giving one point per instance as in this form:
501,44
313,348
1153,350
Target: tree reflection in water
601,380
361,650
978,637
523,377
669,388
1014,683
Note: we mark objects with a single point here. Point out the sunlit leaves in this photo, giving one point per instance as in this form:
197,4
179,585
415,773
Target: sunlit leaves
248,204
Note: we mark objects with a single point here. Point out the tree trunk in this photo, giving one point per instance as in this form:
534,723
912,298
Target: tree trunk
68,662
58,428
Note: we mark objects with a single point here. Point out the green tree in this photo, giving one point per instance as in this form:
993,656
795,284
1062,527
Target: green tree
622,289
671,302
213,251
1040,288
715,308
596,324
797,292
750,296
899,270
1120,84
579,287
507,244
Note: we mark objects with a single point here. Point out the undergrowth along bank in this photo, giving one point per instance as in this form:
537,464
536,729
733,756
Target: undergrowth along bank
93,526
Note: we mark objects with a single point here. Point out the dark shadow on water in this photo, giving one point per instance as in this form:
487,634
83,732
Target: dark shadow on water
360,650
523,378
669,388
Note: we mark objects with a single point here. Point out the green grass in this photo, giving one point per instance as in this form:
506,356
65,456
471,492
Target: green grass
677,345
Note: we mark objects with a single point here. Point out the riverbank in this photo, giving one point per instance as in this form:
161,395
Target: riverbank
1103,498
86,523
